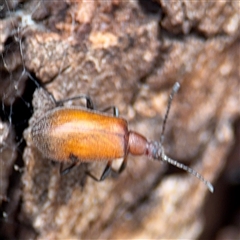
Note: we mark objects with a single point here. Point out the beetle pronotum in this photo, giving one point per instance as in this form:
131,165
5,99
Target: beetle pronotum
76,134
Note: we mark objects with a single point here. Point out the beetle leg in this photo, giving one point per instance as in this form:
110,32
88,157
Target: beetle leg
122,167
89,102
115,110
74,160
66,170
108,170
104,175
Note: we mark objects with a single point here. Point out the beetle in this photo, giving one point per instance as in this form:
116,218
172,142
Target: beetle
77,134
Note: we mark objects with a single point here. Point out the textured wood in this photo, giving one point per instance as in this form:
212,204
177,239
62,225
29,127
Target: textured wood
129,55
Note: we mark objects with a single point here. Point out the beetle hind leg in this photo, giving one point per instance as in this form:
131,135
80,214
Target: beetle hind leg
67,169
89,102
74,160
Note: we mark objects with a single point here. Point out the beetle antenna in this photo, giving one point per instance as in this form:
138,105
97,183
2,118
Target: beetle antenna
156,151
187,169
175,88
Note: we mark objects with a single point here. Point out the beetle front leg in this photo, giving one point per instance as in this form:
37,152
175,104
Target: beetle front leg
108,170
104,175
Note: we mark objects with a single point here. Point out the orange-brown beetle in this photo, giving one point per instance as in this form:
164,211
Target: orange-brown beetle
74,134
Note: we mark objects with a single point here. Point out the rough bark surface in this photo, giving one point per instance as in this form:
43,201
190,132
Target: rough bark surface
129,54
